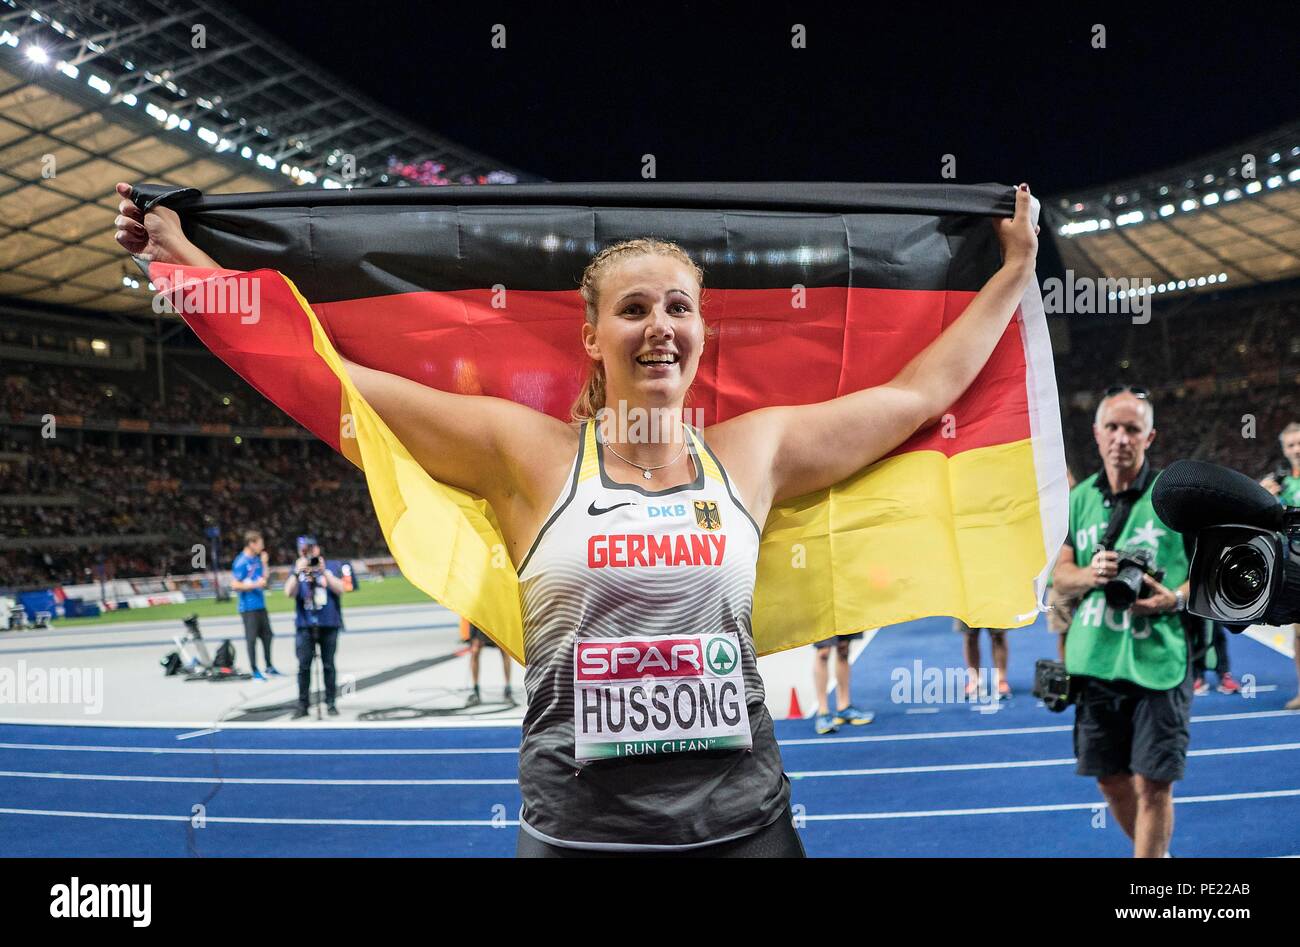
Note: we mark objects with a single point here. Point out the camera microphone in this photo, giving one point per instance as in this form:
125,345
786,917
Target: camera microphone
1191,495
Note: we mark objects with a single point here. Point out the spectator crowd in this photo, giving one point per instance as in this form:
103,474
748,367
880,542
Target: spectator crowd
1224,380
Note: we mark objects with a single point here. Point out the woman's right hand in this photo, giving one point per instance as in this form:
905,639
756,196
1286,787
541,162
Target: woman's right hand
156,236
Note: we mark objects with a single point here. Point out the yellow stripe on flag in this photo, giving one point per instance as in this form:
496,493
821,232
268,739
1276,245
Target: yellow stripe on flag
912,536
446,541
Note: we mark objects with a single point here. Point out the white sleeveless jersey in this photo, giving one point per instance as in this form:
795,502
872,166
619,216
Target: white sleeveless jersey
620,560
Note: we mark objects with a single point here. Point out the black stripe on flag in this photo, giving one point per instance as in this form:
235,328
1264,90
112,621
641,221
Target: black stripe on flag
338,245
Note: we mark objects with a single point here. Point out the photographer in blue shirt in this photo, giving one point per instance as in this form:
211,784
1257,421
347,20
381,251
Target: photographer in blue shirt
248,578
315,590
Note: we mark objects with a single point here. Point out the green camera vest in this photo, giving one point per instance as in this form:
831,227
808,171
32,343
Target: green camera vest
1149,650
1290,494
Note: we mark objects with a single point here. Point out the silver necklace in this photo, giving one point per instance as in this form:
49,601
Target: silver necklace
645,471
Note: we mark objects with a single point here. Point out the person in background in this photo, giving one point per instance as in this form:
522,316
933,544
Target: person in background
1217,638
248,578
316,592
1284,483
827,722
477,642
999,653
1132,665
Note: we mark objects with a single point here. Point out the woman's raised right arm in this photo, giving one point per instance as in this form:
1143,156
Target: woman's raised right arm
504,452
497,449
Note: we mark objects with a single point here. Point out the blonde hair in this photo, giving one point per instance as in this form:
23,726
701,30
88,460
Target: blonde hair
591,399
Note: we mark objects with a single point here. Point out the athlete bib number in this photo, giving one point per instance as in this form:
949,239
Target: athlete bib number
649,696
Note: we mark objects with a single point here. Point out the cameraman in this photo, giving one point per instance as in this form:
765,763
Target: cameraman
315,590
1128,668
1284,483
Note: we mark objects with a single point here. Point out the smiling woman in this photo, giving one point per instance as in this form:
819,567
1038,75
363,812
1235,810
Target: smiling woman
666,272
650,537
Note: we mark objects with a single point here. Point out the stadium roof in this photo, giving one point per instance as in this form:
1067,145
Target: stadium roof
1230,218
181,92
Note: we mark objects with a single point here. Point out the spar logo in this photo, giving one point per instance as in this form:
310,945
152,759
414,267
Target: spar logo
621,660
722,657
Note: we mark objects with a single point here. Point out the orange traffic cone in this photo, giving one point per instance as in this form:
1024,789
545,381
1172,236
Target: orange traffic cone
796,712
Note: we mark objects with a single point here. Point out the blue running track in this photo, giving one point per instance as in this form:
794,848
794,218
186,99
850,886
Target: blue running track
944,779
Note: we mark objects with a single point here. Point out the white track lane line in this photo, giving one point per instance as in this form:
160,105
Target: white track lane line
455,724
250,751
1019,764
423,723
945,768
255,780
1059,807
488,823
1009,731
808,774
469,751
241,820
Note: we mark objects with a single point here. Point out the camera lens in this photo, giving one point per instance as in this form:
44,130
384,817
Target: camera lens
1125,589
1243,575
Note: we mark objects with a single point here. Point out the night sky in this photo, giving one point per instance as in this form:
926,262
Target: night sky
715,91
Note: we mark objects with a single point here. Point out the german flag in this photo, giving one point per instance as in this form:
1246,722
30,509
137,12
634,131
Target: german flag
814,290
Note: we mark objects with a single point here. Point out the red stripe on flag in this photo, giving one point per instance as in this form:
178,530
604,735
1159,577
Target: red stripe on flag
525,346
270,347
771,347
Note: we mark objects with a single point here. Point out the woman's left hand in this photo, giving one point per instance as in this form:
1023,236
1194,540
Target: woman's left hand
1018,235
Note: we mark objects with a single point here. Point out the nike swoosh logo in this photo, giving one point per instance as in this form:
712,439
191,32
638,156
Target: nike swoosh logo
594,510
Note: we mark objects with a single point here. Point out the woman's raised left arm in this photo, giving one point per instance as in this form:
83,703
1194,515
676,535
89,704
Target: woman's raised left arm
810,447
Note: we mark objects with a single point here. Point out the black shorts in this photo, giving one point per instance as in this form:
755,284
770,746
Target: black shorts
476,635
777,840
1120,727
838,639
257,624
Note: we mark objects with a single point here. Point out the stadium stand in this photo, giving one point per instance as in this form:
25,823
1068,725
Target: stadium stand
132,511
1210,361
1211,369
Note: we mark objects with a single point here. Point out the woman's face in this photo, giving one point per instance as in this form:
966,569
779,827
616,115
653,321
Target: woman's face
648,332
